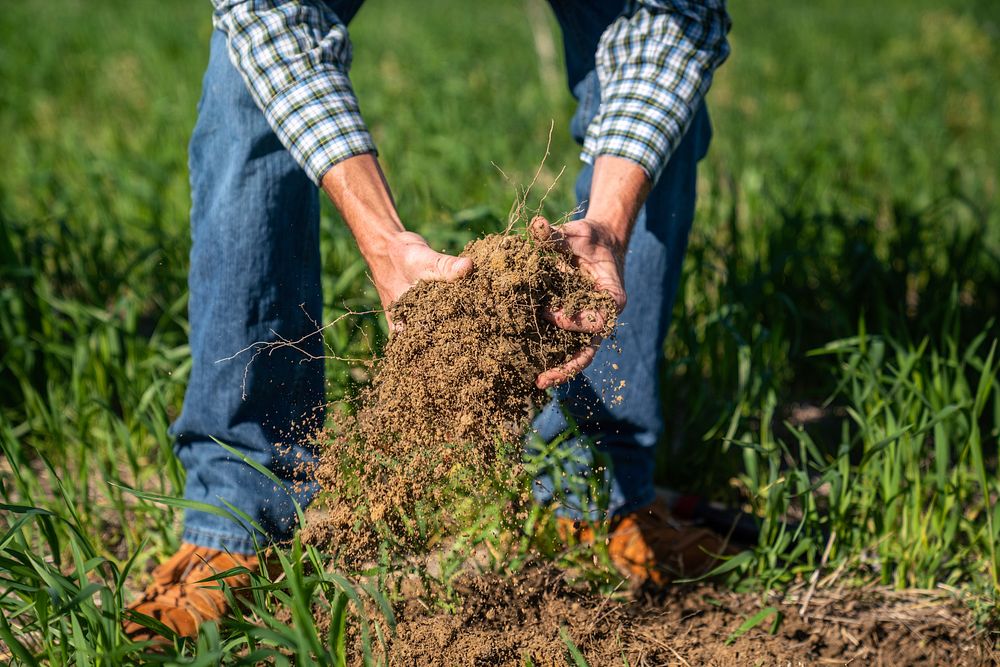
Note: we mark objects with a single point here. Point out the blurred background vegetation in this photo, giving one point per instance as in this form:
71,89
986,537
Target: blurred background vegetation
850,195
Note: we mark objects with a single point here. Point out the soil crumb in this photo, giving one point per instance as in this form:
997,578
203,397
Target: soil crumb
450,399
533,620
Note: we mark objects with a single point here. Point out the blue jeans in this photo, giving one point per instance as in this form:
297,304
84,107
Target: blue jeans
255,275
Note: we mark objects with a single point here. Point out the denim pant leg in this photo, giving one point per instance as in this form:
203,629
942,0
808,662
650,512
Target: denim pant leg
254,276
615,402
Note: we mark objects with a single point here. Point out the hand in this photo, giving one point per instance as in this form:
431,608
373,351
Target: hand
405,259
598,252
397,258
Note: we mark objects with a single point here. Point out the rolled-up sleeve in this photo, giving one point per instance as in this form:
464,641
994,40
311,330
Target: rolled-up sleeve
294,56
655,64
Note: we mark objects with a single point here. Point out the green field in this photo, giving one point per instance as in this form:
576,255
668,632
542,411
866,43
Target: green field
845,264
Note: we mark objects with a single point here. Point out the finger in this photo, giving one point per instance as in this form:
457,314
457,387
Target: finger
549,236
562,373
447,268
586,321
620,299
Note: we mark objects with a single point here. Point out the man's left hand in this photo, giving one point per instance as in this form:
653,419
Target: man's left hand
595,250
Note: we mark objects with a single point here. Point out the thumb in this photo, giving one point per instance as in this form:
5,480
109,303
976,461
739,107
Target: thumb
547,235
540,229
447,268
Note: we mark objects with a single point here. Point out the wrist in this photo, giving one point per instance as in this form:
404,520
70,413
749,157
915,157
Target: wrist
618,190
614,231
361,194
379,241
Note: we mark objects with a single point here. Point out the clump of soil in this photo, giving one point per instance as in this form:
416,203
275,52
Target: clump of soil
463,368
450,398
509,621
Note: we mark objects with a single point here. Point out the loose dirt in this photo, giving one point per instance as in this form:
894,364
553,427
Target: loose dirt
449,401
528,620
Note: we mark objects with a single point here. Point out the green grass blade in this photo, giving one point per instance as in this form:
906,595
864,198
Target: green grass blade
754,621
574,652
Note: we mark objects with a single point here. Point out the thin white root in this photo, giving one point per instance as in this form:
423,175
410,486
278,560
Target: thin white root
269,347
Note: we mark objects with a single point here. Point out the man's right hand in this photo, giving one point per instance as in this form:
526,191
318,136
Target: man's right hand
397,258
405,259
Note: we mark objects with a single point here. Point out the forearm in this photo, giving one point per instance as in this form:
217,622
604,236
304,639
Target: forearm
397,258
618,190
361,194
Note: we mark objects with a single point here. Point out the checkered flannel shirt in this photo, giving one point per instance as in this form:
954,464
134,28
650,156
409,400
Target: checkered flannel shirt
654,64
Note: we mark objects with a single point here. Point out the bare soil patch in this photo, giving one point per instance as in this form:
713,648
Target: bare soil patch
514,621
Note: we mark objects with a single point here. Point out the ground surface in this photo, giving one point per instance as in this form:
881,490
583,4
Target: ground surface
503,622
829,359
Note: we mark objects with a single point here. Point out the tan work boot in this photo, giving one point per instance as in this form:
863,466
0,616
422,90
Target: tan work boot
179,598
650,546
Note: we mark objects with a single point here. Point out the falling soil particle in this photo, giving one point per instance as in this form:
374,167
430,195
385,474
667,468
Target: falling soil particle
450,398
527,620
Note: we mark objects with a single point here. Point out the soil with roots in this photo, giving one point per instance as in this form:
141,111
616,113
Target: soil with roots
444,415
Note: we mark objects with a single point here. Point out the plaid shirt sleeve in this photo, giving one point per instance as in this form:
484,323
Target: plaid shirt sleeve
294,56
655,64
